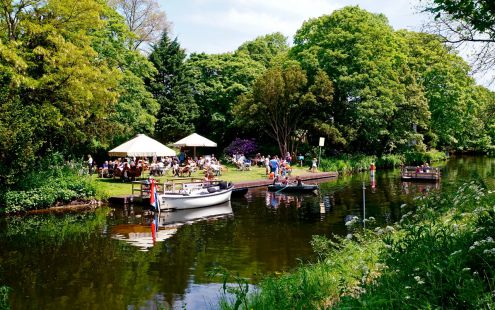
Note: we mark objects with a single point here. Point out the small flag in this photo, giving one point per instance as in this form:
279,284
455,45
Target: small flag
153,195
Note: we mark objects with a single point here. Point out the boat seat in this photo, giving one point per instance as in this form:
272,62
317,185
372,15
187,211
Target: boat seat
212,189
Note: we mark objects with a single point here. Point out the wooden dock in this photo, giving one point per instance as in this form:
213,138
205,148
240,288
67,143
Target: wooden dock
137,199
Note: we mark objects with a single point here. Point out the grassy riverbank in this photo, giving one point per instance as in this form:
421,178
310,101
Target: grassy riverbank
347,164
440,255
111,187
58,183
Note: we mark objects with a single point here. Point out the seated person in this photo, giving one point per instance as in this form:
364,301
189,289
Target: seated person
209,176
201,162
176,169
159,168
285,181
104,169
298,181
216,168
110,168
185,170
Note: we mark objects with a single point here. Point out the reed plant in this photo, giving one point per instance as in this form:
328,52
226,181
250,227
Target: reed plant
440,255
444,256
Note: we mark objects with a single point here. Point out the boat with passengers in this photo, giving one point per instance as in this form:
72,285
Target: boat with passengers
420,174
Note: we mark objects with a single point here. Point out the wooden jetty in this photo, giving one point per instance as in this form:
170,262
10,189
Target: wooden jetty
429,174
140,190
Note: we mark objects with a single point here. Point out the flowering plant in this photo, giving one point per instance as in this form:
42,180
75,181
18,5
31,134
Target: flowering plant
244,146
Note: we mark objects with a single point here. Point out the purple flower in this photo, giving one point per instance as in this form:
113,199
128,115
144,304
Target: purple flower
241,146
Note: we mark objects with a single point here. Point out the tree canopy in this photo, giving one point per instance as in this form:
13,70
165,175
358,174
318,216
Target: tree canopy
281,103
73,82
172,88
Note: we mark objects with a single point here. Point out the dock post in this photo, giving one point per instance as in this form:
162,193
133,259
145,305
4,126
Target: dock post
364,206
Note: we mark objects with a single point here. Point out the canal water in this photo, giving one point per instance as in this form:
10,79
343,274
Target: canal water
114,259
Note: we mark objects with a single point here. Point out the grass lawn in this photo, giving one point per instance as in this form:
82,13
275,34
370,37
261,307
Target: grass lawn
115,187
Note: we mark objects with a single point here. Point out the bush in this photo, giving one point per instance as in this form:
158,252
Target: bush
60,184
347,164
418,158
390,161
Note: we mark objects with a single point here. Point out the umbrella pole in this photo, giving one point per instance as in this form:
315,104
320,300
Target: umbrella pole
194,153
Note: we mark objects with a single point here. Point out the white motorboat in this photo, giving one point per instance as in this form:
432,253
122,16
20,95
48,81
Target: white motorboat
189,195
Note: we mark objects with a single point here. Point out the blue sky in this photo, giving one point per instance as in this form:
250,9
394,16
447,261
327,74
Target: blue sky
217,26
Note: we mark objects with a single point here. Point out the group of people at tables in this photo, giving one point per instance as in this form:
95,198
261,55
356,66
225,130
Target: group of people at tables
161,166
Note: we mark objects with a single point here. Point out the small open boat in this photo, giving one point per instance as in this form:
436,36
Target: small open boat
292,188
238,192
194,194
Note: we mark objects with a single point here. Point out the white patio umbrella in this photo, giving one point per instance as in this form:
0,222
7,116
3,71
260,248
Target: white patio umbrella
142,145
194,140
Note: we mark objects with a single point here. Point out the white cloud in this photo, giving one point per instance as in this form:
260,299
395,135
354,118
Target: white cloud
229,23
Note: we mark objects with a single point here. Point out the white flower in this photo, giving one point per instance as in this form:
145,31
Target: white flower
389,229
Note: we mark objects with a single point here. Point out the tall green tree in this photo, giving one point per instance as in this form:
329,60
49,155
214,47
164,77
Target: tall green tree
451,93
281,103
136,109
217,81
172,88
359,52
264,49
52,80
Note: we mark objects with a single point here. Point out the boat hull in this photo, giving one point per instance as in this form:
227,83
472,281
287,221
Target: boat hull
292,188
184,201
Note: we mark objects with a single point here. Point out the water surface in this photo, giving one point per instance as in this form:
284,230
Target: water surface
110,260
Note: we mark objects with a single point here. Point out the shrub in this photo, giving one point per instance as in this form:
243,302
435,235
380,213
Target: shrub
390,161
418,158
60,184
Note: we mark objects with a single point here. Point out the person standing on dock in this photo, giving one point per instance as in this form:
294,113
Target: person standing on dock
90,165
372,169
314,165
